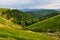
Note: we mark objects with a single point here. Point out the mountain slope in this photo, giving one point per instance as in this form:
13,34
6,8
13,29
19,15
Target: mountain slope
17,17
26,10
7,23
43,13
8,31
50,25
15,34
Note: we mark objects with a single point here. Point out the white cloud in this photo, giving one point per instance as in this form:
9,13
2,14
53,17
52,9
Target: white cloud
56,1
48,6
13,2
55,4
33,3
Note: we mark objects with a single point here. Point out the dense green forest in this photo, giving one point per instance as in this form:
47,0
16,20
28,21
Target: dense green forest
18,17
31,25
43,13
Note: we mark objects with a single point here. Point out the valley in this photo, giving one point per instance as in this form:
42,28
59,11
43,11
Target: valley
40,24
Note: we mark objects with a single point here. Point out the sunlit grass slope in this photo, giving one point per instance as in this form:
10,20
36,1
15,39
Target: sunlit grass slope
50,25
16,34
7,23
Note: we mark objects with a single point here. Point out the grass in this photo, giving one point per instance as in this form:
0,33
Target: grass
8,23
16,34
51,25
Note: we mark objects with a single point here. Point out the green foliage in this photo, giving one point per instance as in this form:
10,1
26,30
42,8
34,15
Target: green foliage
18,17
48,25
16,34
43,14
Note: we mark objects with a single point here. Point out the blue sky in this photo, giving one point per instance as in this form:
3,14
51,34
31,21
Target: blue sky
30,4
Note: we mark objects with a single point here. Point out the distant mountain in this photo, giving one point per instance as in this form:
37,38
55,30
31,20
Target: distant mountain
17,16
49,25
43,13
58,10
26,10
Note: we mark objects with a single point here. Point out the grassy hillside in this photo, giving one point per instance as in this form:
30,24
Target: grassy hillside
43,13
17,16
12,21
48,25
7,23
11,31
16,34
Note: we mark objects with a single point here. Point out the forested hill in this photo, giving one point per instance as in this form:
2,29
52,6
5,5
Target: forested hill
49,25
43,13
18,17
